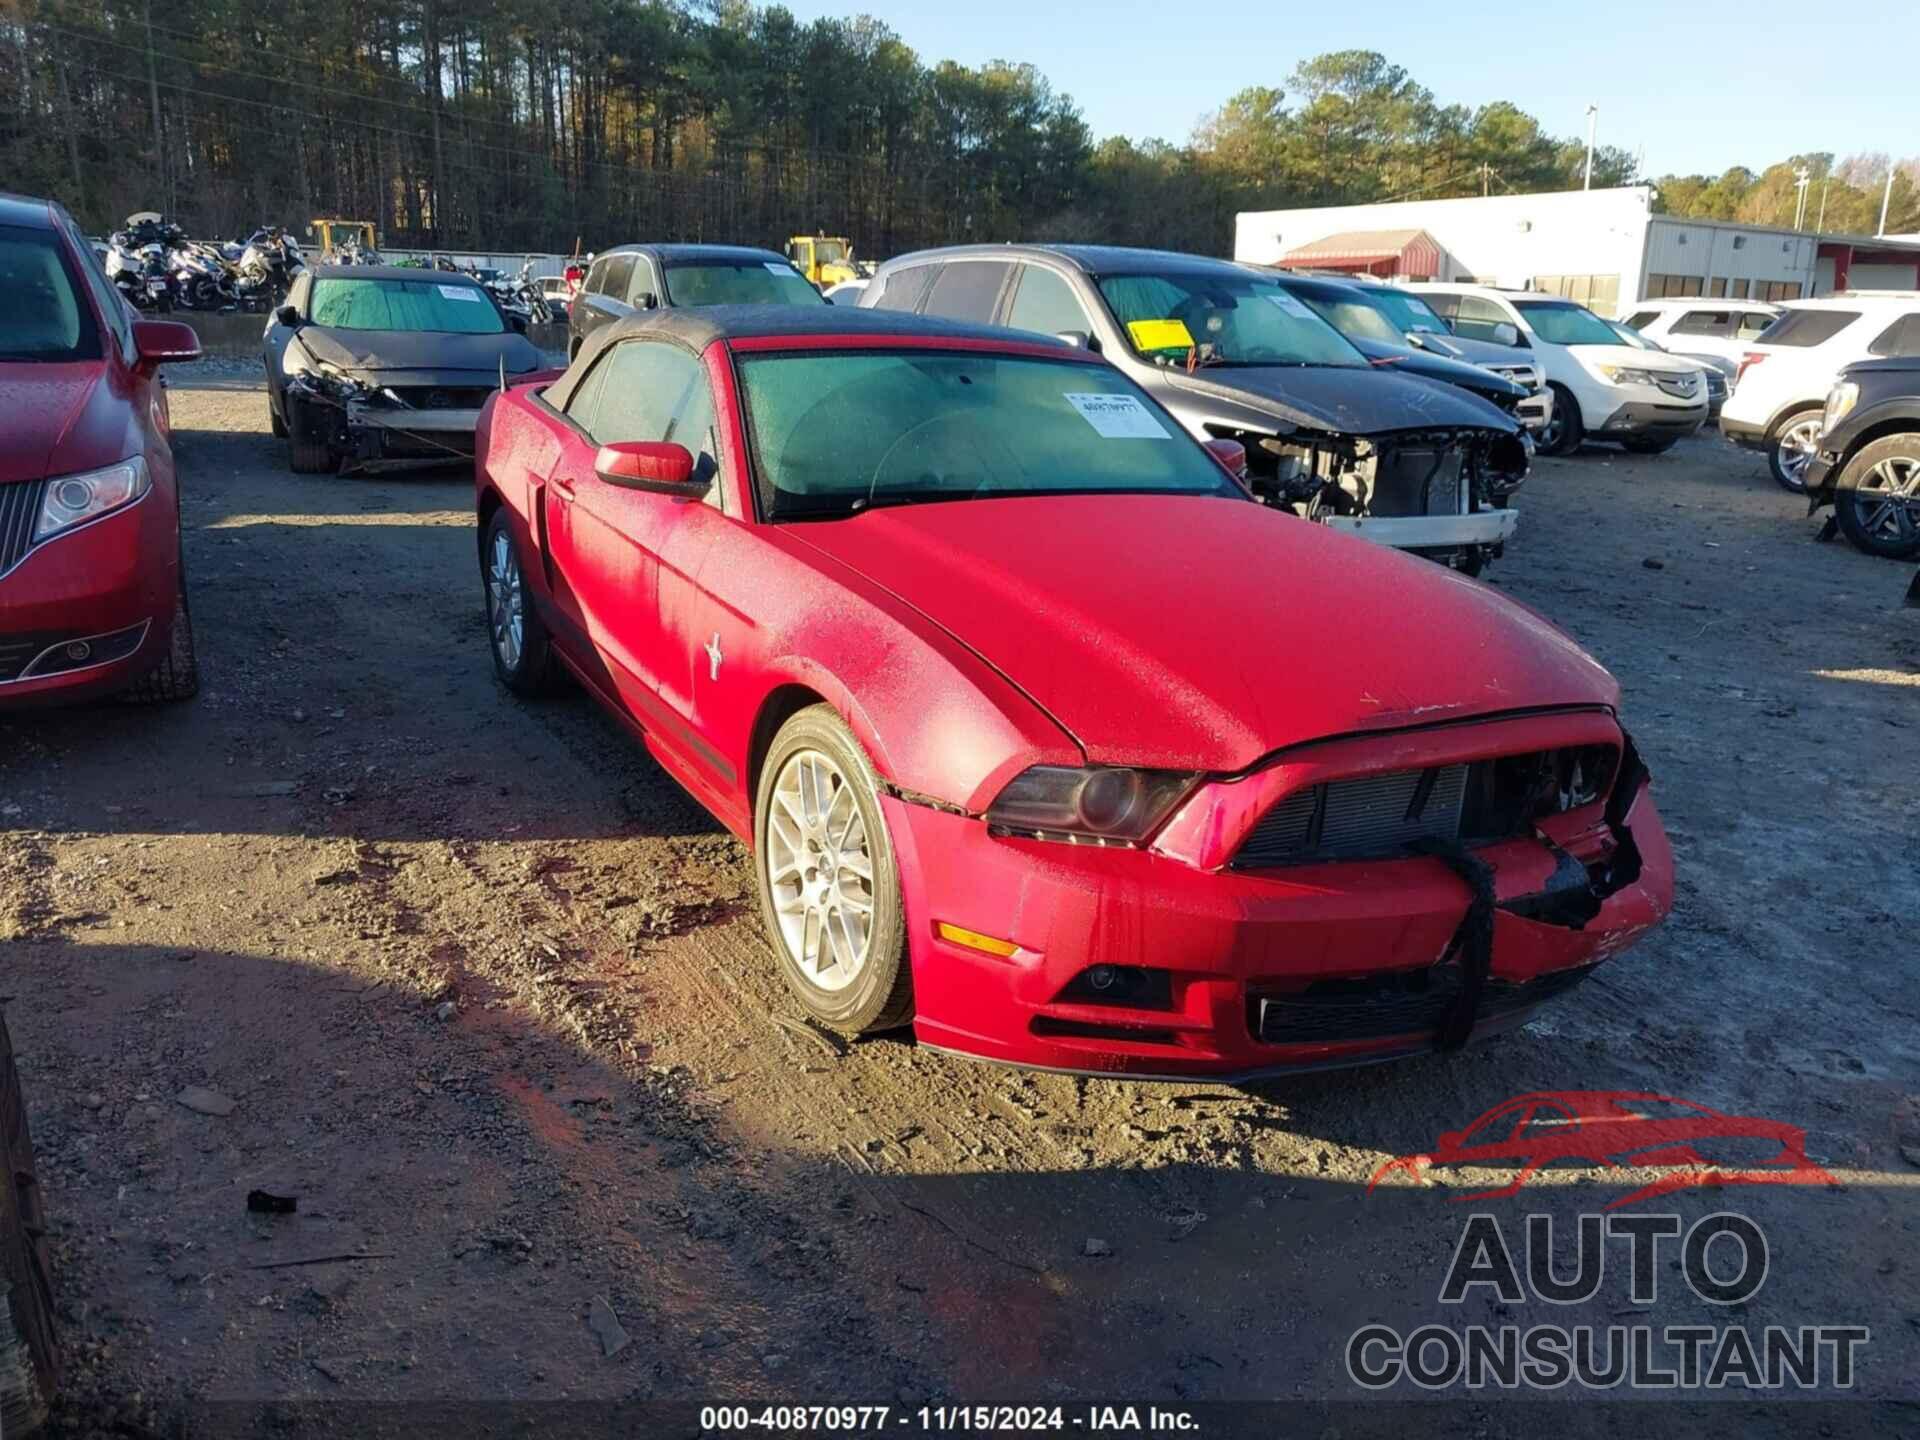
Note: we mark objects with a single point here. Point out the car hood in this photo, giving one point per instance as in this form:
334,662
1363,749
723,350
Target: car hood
1474,352
1345,400
1656,360
375,351
1190,633
38,406
1886,365
1406,360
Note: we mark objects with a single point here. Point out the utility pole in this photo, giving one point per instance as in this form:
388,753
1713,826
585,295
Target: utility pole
1820,225
1886,199
1802,178
1593,112
153,94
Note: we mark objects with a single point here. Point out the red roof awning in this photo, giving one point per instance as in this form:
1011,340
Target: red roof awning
1392,252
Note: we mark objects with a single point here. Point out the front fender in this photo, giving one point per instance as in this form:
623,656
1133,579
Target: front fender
1896,415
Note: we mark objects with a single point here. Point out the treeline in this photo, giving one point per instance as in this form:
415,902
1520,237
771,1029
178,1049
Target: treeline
1843,196
510,125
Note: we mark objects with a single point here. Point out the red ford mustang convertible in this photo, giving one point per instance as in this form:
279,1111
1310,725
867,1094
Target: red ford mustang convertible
1045,734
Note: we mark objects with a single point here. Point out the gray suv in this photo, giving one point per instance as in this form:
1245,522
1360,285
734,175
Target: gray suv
1409,462
632,278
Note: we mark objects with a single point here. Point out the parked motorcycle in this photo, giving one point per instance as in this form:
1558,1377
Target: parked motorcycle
201,278
137,261
266,267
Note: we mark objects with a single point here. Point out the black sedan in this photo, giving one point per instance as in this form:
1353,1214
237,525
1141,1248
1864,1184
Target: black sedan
1349,310
1867,464
371,367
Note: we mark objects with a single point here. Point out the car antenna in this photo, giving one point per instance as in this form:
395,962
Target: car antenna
502,357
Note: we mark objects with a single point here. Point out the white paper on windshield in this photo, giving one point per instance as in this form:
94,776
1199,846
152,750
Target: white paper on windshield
777,268
1292,306
1118,417
460,292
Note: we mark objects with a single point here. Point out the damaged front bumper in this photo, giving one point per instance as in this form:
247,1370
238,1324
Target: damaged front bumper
371,427
1431,532
1217,972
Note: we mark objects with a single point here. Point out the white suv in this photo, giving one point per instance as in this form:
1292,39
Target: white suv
1602,389
1722,328
1784,377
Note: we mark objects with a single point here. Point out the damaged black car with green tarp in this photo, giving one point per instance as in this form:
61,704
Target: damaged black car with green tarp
376,367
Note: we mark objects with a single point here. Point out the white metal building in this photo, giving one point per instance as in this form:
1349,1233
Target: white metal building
1605,248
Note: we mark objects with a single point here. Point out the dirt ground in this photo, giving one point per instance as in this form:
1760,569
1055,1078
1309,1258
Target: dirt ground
489,996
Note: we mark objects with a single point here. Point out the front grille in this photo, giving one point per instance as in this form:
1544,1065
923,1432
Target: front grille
1519,374
1398,1002
1680,386
442,397
1384,815
19,509
1418,476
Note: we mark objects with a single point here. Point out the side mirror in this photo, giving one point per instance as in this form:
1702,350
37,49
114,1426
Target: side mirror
288,316
648,300
1508,334
1079,339
656,465
1231,454
162,342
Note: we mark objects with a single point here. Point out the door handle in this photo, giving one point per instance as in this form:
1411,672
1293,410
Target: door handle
561,489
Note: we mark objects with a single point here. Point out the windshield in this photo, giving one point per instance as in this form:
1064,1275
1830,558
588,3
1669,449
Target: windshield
44,318
1412,314
1227,318
835,433
1559,323
1630,336
424,304
1355,319
828,252
739,282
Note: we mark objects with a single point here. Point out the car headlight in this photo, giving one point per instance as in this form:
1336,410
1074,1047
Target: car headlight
1100,805
1840,402
72,499
1627,375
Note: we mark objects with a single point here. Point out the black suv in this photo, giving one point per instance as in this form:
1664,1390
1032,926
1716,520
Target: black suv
630,278
1868,461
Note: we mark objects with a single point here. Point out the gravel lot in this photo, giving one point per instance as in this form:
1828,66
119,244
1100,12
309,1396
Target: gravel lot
489,995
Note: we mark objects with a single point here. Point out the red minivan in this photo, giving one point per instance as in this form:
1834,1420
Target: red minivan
93,599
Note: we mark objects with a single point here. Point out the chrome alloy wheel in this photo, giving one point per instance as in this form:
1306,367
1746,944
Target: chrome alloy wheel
1887,499
504,599
820,870
1799,443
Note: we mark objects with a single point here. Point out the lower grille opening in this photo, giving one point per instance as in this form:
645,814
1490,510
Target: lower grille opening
1047,1026
1399,1002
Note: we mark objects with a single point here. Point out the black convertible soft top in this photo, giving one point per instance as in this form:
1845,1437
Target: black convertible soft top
697,327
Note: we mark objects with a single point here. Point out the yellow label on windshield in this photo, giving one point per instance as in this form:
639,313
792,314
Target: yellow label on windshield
1159,335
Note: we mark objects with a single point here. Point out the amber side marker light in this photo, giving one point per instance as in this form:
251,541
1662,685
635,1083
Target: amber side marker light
974,940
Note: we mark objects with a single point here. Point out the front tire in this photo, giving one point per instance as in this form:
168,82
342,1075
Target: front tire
1868,500
177,676
1565,430
25,1388
307,454
829,887
1791,448
274,422
516,636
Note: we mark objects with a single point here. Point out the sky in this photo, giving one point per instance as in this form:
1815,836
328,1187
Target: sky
1702,86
